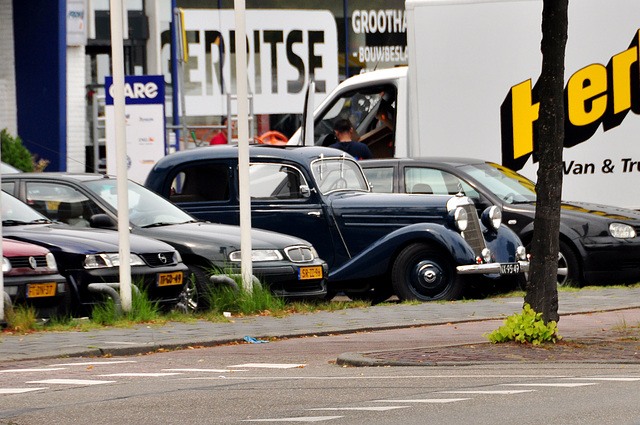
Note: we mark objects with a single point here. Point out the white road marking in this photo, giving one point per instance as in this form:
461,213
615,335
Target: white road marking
71,382
552,384
499,392
373,409
32,370
141,374
425,400
268,365
300,419
20,390
206,370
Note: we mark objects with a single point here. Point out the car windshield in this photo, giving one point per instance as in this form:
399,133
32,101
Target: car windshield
508,185
15,212
333,174
146,209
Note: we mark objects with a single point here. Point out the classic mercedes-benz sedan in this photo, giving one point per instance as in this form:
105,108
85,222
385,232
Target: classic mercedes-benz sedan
598,244
416,246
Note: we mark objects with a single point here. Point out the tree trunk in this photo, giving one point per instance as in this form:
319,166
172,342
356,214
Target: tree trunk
542,290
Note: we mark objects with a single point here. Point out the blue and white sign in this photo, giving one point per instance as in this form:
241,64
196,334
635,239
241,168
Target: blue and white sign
145,124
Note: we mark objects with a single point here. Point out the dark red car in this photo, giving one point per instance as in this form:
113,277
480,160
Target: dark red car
31,277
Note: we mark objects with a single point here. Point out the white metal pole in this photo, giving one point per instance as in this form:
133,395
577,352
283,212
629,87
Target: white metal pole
117,66
243,146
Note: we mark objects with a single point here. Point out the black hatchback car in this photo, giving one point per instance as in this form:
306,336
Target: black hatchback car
289,266
598,244
89,258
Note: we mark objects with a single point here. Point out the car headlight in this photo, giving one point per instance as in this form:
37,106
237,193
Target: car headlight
622,231
99,261
51,262
177,258
258,255
461,218
6,265
492,217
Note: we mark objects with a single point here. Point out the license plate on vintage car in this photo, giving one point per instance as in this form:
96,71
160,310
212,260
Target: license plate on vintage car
35,290
510,268
314,272
168,279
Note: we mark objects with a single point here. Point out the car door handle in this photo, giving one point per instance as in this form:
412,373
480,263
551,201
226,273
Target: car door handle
316,213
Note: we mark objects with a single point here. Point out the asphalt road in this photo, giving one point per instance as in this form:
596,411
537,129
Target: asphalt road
297,380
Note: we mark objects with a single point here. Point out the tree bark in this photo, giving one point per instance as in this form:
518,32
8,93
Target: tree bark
542,290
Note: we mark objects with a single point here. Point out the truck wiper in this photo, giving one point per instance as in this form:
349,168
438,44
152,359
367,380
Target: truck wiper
13,222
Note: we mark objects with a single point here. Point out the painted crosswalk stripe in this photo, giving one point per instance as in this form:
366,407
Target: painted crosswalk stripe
71,382
300,419
141,374
552,384
424,400
373,409
19,390
268,366
498,392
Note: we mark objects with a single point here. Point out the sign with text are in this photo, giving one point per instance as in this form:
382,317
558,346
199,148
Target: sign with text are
286,49
145,124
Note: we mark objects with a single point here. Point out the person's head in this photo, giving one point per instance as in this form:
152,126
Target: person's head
344,130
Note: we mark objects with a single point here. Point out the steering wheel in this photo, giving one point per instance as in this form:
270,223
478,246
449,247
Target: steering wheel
341,183
272,138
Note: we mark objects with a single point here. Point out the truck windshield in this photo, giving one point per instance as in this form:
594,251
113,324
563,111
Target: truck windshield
333,174
508,185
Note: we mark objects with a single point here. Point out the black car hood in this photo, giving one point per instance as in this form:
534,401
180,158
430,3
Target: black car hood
587,211
204,235
78,240
390,205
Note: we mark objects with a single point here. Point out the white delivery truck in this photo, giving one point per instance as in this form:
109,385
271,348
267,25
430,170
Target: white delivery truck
470,90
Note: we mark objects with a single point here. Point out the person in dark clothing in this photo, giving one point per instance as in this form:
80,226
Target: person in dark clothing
344,132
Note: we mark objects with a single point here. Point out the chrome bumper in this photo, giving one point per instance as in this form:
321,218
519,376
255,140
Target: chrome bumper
489,268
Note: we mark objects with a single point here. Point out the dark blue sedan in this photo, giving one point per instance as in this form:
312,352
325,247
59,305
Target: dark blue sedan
416,246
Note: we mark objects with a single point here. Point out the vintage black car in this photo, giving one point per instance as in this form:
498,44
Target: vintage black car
289,266
598,244
31,278
89,258
415,246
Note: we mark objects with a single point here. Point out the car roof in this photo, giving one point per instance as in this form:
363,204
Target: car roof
452,161
304,154
48,175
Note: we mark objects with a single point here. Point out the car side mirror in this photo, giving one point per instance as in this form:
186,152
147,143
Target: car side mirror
102,221
305,192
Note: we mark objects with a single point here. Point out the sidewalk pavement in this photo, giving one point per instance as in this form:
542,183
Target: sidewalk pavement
148,338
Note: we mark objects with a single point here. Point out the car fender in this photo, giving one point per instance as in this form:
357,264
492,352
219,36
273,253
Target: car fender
377,259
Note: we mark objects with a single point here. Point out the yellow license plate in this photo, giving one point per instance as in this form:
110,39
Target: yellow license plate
35,290
168,279
314,272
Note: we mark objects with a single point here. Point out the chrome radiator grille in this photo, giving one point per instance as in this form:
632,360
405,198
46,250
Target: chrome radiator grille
473,234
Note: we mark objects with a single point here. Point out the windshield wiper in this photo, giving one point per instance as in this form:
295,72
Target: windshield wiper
158,224
13,222
40,220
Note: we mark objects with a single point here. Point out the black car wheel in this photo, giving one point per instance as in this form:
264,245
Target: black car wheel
189,302
421,272
568,267
202,283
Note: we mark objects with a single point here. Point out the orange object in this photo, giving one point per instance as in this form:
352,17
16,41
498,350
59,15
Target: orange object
272,138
